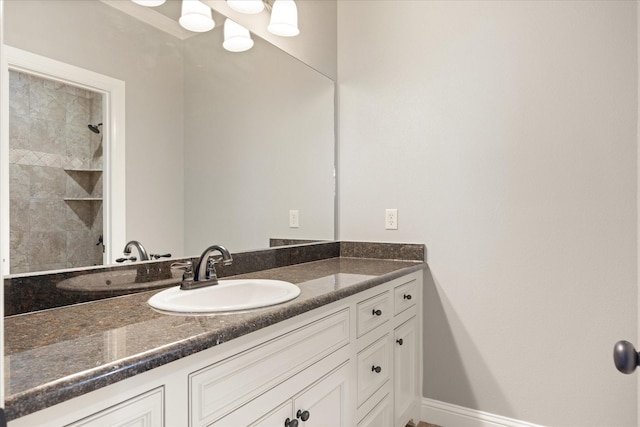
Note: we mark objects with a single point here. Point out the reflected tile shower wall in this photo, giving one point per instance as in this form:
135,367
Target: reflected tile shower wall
55,175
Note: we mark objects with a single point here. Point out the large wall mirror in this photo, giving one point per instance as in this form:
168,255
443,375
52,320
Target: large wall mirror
219,146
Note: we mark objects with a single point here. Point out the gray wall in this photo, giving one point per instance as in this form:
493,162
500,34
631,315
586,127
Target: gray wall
96,37
260,132
505,134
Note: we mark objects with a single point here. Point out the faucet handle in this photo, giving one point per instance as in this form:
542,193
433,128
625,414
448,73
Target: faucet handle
187,276
211,269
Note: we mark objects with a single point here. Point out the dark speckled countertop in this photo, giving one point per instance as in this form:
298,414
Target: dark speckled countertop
57,354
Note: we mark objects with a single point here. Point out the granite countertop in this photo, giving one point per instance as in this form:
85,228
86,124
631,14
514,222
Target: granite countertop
57,354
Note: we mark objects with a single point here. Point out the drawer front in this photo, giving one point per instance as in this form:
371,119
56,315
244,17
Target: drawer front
374,366
373,312
146,410
220,388
380,416
405,296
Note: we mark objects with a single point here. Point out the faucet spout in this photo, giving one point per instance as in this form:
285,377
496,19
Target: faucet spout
205,270
144,256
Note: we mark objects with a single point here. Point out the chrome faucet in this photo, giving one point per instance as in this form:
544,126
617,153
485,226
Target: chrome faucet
205,272
144,256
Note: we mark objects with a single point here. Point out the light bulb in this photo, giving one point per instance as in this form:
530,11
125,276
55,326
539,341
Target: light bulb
246,6
148,3
284,19
196,16
236,37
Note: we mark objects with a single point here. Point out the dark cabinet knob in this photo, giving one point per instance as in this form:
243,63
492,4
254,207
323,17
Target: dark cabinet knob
376,369
376,312
400,341
303,415
625,357
407,296
290,423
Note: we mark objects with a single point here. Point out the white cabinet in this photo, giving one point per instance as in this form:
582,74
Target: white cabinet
407,350
389,381
406,367
340,365
224,386
323,403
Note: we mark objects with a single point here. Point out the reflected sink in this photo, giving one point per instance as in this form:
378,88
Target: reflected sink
227,295
112,282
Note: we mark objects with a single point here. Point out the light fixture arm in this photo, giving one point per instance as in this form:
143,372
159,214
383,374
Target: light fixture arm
267,5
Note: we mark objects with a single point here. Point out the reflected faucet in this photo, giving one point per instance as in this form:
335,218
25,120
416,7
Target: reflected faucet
144,256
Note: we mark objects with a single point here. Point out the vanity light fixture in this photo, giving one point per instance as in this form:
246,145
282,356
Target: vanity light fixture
196,16
284,18
236,37
149,3
284,14
250,7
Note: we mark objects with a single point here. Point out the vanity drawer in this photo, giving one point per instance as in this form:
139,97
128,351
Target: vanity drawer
373,312
374,366
220,388
145,410
404,296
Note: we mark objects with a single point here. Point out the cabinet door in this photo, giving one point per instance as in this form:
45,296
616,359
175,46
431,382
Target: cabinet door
380,416
374,364
405,378
277,417
326,402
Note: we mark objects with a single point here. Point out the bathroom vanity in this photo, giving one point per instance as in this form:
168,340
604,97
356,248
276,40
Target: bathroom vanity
346,352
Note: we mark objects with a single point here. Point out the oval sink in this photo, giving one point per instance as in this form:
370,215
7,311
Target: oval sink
227,295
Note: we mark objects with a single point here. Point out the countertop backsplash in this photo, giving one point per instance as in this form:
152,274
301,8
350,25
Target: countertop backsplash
25,293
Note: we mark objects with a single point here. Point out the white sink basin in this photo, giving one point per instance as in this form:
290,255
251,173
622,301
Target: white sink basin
227,295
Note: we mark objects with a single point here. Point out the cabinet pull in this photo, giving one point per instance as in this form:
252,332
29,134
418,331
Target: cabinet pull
376,369
303,415
400,341
376,312
290,423
407,296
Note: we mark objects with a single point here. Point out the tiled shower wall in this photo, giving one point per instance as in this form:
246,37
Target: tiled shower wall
54,158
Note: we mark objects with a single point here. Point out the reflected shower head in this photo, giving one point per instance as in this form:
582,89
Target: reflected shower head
95,128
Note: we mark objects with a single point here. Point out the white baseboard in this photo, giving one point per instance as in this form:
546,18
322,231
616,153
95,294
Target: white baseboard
448,415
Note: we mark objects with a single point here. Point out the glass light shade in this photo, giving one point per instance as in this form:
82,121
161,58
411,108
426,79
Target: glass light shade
246,6
196,16
149,3
236,37
284,19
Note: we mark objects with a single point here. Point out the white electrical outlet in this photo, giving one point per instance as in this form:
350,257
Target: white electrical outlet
294,218
391,219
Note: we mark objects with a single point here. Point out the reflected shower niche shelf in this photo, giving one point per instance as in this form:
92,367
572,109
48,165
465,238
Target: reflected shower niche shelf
87,180
82,199
83,170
